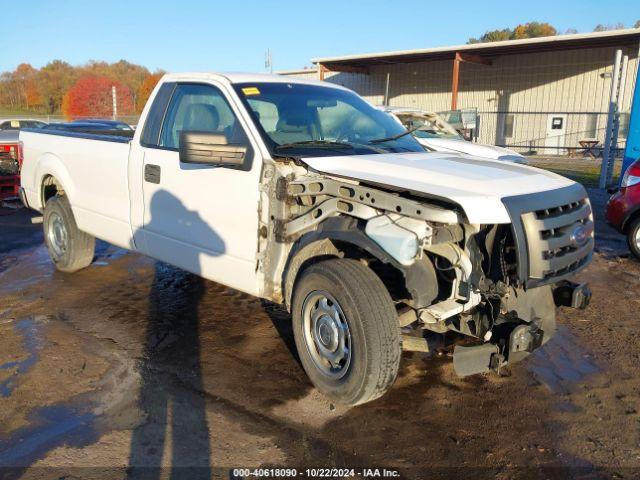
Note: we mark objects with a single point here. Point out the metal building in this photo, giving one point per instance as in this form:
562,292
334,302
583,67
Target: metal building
543,94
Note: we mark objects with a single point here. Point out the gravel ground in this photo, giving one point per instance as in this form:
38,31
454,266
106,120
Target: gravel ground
135,369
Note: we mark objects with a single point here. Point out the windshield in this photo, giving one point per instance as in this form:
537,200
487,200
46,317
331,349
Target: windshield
429,125
311,120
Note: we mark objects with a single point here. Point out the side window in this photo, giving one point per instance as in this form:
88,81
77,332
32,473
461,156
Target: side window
151,133
201,108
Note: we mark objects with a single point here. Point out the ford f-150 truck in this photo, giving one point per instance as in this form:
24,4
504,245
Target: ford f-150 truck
302,193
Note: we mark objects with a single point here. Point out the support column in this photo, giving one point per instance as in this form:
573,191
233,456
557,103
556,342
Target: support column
454,82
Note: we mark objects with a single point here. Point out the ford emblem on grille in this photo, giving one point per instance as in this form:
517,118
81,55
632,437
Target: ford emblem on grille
579,236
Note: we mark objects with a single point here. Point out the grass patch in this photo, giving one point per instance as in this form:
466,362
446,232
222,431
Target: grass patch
583,170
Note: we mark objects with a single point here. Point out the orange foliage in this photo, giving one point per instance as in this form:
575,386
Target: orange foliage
32,95
144,92
520,32
91,96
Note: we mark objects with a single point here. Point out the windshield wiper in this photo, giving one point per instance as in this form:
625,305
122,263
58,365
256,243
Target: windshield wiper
395,137
315,143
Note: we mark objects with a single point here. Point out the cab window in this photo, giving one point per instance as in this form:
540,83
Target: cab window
201,108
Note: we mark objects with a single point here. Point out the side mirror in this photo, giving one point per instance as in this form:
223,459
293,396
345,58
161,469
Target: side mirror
206,148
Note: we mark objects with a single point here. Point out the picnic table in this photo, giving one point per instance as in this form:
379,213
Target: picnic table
590,147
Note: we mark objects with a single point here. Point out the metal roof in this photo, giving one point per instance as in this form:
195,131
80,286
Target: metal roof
630,36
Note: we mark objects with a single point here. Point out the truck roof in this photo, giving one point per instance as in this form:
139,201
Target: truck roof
238,77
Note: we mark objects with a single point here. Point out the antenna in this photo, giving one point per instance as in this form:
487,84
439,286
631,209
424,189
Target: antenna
268,61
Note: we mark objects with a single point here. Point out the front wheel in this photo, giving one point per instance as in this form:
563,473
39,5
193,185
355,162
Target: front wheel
70,249
346,331
633,238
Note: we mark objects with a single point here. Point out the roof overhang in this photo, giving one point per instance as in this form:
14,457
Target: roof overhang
361,63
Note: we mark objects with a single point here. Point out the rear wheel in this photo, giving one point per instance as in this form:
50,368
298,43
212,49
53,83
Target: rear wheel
69,248
633,237
346,331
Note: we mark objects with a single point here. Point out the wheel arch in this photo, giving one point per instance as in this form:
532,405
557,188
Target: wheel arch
628,220
53,178
340,237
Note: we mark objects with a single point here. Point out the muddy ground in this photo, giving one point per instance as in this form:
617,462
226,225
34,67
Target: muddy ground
135,369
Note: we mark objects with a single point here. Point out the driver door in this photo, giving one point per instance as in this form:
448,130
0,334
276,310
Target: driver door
202,218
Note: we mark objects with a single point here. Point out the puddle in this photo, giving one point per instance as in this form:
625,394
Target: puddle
29,329
50,427
21,269
25,268
106,253
561,363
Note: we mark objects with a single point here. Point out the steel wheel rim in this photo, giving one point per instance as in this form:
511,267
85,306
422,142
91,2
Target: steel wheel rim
637,238
57,235
326,334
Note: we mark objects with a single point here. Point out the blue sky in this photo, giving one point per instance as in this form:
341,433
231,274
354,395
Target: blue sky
195,35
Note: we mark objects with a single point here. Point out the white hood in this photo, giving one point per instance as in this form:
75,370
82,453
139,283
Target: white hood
475,149
476,184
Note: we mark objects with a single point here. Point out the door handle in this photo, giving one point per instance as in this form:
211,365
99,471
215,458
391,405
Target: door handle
152,173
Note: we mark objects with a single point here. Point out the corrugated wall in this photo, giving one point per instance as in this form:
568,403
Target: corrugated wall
529,86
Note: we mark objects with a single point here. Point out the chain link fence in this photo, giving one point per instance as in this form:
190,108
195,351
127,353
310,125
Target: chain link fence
580,134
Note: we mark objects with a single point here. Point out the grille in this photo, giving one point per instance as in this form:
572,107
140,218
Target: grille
553,234
559,239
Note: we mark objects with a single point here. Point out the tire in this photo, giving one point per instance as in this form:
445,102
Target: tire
69,248
633,237
336,293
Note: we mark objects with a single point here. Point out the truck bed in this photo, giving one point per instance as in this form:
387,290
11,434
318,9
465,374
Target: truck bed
121,136
92,167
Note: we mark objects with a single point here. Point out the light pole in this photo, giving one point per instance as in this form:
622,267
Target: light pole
114,96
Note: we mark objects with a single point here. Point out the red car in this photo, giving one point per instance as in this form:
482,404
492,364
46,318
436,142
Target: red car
623,208
10,163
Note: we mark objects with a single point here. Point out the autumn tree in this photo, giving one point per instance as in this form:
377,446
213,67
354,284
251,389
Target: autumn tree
29,89
25,77
128,73
144,92
91,96
527,30
53,81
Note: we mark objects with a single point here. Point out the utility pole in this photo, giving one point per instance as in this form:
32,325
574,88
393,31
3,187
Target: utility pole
114,96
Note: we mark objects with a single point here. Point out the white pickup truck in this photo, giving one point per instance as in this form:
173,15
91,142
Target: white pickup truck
302,193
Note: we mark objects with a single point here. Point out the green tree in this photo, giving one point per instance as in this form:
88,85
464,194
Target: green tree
493,36
604,28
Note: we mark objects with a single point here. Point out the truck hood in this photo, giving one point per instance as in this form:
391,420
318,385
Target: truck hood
476,184
475,149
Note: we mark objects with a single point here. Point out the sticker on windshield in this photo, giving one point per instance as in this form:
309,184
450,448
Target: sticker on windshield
15,124
251,91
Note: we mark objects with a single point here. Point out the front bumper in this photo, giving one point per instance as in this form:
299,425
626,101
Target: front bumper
514,341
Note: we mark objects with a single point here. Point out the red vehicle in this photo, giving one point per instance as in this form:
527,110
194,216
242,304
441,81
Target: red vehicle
623,208
10,164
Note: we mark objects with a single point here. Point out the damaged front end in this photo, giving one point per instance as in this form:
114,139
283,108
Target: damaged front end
525,269
498,285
